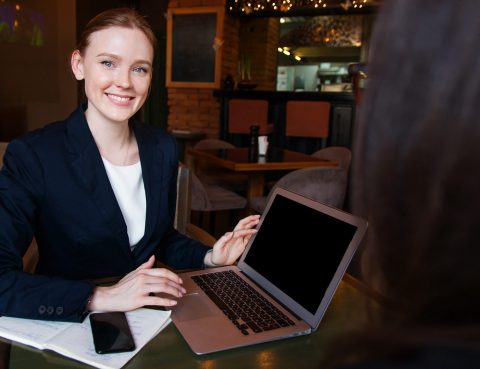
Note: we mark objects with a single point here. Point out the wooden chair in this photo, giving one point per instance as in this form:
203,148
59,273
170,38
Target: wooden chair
243,113
307,120
184,207
3,148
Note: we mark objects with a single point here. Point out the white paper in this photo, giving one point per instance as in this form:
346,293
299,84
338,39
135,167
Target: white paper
75,340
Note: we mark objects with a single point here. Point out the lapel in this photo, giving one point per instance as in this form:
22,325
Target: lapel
88,166
151,157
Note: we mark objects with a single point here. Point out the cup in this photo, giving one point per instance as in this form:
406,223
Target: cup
262,145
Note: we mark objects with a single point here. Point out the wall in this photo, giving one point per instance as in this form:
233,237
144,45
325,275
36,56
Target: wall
193,108
259,39
197,108
37,85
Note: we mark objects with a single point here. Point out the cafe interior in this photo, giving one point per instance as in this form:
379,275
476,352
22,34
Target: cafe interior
293,70
259,95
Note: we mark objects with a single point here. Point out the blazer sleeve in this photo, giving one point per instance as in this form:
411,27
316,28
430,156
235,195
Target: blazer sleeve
23,294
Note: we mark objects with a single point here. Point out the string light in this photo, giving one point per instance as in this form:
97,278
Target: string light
254,6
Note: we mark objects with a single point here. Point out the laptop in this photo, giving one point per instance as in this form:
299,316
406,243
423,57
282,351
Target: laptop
294,262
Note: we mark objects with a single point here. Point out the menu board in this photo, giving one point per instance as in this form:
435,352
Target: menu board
194,40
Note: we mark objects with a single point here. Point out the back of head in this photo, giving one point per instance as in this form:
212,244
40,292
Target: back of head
417,151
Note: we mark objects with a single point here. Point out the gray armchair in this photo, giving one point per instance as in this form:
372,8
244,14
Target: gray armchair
323,184
209,199
341,155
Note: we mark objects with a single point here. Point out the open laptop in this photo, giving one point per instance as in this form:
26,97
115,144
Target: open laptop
295,261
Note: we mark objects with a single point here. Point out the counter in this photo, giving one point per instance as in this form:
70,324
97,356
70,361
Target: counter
340,125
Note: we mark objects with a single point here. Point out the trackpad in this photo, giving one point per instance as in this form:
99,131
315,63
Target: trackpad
191,307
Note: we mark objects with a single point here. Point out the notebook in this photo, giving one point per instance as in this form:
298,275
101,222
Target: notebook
294,262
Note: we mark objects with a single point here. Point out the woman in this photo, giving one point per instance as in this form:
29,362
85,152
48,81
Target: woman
415,178
98,192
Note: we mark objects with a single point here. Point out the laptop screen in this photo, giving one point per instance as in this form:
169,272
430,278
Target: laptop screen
301,247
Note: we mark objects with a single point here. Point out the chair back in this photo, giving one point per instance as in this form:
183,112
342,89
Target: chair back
3,148
208,199
213,143
341,155
327,185
183,205
211,197
242,113
307,119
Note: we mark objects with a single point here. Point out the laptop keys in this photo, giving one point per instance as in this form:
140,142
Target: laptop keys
242,305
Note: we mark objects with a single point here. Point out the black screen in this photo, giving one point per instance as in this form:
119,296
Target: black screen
299,249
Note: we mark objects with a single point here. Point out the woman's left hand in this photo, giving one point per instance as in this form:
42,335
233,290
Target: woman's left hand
231,245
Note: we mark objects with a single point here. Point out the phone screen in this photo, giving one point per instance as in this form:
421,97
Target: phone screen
111,332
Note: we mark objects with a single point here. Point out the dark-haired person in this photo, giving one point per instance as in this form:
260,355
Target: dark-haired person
97,191
417,153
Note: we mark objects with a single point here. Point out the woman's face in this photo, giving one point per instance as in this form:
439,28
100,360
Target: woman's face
117,68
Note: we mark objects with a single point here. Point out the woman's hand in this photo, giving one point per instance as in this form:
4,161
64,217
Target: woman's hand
231,245
137,289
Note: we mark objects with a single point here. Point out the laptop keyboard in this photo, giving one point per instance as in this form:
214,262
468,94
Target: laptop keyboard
246,308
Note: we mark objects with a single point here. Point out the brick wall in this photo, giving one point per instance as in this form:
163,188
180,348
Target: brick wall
259,39
196,108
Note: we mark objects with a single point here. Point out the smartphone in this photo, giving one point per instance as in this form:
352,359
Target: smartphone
111,332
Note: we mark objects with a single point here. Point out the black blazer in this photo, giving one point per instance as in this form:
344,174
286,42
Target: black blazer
54,187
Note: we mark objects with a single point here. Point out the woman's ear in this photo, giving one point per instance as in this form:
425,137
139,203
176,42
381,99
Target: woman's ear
76,62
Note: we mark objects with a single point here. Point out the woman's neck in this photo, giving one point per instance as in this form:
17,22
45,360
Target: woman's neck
115,141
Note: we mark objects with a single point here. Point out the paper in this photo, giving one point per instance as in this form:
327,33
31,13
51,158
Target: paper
262,145
75,341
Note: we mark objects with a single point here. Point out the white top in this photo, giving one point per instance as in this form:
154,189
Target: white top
127,184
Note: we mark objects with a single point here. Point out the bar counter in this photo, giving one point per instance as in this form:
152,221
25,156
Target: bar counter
341,117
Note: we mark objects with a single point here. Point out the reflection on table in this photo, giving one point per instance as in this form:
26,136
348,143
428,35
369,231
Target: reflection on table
242,160
349,308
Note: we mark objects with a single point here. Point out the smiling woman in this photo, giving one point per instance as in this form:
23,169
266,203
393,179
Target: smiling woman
98,191
117,69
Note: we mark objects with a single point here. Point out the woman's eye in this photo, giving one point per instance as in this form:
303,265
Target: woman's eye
107,63
140,70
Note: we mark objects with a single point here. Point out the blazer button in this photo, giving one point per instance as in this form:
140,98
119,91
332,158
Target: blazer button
59,310
50,310
42,309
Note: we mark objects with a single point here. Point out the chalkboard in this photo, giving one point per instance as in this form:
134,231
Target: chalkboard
194,39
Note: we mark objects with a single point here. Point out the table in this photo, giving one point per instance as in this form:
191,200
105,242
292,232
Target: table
349,309
241,160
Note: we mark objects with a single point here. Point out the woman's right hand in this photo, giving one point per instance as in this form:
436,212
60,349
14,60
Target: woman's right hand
139,288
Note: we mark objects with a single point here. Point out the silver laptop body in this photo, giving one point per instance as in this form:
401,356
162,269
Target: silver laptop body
281,262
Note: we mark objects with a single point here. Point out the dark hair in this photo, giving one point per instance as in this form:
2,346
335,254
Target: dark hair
119,17
416,156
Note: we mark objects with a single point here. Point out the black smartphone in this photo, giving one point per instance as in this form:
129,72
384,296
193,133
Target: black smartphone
111,332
